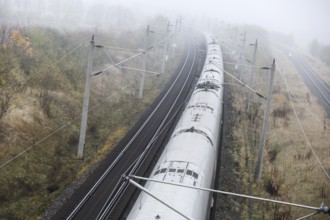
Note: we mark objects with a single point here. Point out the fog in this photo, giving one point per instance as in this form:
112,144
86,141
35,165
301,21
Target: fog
305,20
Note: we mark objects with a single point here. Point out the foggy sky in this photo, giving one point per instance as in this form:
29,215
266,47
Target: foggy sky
304,19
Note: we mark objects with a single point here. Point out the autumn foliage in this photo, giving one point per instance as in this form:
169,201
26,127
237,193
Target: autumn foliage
17,40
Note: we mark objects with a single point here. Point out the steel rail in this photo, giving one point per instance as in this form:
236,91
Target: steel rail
101,179
145,153
310,70
313,82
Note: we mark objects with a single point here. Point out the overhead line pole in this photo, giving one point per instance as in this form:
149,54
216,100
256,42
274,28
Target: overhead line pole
242,55
252,75
89,75
84,115
165,48
144,64
265,123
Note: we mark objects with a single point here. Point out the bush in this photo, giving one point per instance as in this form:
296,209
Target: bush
271,187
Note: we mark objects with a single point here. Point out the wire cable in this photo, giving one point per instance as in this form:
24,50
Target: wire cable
298,120
227,193
60,128
241,82
301,127
132,57
312,114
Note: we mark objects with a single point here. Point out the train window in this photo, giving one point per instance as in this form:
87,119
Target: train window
171,170
195,175
163,170
189,172
180,170
156,172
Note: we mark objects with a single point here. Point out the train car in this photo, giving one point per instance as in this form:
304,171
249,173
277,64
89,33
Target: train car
190,156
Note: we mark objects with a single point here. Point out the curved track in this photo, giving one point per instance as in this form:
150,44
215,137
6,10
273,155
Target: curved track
104,195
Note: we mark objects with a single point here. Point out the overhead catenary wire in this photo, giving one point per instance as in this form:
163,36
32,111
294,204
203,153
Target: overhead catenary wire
119,48
319,209
152,141
156,198
302,129
240,64
80,44
298,120
132,57
60,128
240,81
233,50
126,67
307,216
312,114
119,156
108,55
322,208
69,122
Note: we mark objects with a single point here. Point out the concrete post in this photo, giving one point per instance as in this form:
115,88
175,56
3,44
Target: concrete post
241,57
144,65
165,48
248,98
84,115
265,124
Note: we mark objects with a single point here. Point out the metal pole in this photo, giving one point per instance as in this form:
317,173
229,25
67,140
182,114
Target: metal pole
165,49
84,115
241,57
265,124
144,65
252,75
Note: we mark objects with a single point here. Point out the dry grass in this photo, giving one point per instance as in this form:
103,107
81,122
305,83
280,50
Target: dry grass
291,171
304,181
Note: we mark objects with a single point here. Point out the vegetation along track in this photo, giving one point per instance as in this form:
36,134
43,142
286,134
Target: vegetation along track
92,198
318,86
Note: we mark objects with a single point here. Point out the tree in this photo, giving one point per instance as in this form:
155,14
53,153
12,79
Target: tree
5,98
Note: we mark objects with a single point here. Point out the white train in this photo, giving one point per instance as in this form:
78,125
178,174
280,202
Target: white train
191,154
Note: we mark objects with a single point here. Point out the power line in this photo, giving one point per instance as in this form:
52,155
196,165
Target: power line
119,48
54,62
159,200
312,114
60,128
132,57
69,122
308,110
298,120
301,127
63,57
238,80
129,68
323,209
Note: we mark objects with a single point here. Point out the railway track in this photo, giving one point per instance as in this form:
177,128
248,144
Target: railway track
104,195
318,86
